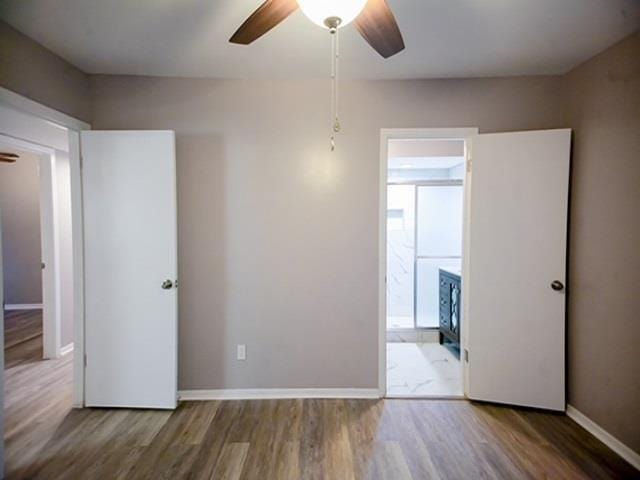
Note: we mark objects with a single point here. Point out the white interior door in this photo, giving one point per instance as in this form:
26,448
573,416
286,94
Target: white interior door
130,235
517,250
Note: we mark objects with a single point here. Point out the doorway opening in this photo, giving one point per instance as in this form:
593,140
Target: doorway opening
41,271
424,173
35,198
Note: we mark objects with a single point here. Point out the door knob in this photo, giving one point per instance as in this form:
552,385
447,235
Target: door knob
167,285
557,285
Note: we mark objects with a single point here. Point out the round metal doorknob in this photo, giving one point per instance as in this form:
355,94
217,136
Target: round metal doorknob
557,285
167,285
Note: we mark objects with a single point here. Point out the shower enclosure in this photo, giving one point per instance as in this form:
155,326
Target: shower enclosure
424,233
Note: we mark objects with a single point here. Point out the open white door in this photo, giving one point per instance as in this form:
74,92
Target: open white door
130,235
517,264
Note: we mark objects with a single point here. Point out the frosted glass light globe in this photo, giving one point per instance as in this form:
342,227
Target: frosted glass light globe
319,10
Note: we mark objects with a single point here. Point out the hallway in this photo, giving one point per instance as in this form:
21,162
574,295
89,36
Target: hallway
37,391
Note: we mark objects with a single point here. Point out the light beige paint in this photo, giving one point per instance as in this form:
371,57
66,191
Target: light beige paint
604,275
20,205
29,69
278,238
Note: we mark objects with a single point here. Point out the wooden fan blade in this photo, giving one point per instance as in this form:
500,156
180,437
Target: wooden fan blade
10,155
378,26
267,16
7,159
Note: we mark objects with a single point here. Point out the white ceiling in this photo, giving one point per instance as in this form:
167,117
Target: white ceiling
444,38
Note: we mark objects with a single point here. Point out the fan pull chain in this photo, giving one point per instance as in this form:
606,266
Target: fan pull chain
335,57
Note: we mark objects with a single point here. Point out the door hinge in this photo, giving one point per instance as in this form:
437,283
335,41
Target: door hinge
466,355
469,162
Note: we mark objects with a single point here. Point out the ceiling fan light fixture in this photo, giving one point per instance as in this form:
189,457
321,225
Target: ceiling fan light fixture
324,12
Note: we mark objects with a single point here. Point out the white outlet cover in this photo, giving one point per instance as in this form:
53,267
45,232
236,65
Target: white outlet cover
242,352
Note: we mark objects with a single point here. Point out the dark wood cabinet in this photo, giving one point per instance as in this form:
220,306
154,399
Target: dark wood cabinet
450,308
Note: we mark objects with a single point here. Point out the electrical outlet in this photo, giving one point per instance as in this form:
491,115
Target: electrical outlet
242,352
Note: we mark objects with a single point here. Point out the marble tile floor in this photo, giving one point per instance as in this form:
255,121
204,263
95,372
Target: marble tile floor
399,322
422,370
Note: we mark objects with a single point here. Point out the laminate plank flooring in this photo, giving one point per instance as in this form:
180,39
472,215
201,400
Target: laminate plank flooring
281,439
21,325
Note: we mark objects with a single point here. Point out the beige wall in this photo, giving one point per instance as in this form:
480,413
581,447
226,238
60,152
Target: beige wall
20,205
604,263
278,238
31,70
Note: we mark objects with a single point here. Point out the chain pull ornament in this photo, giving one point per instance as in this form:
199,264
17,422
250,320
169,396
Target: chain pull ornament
333,23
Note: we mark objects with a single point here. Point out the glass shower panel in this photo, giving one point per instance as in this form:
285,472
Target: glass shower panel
439,221
400,255
439,244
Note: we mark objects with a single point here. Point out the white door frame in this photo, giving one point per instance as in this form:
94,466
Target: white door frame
62,127
50,248
387,134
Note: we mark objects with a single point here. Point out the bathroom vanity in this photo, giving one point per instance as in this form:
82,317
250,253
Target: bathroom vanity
450,306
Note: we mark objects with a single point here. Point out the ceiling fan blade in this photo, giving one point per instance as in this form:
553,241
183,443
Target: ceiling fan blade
378,26
7,154
267,16
7,159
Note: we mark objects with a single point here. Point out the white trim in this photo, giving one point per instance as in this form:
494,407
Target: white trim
50,242
427,133
66,349
26,105
387,134
278,393
40,112
605,437
51,285
33,147
23,306
77,240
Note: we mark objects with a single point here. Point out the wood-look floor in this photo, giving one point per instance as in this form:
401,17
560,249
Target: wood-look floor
282,439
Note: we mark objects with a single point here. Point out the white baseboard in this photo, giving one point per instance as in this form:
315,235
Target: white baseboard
605,437
66,349
23,306
278,393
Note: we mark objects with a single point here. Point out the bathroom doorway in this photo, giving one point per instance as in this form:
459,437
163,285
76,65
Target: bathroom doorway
425,192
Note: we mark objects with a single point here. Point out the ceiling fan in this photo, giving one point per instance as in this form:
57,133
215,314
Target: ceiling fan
373,19
8,157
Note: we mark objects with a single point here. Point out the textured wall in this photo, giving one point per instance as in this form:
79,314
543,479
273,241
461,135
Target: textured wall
20,204
603,107
27,68
278,238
